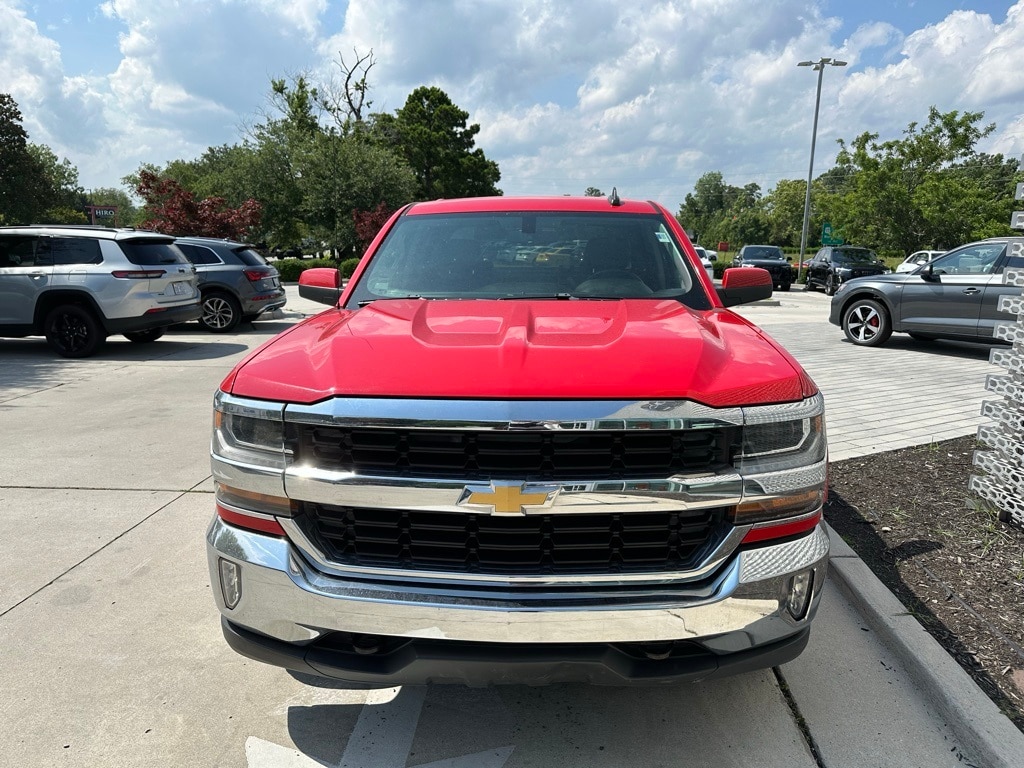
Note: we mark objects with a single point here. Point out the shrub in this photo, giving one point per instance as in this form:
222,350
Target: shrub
290,269
347,267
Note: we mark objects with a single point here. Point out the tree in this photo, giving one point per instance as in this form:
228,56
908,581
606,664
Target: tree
341,175
63,196
927,188
127,211
784,212
719,211
593,192
369,223
430,132
173,210
25,192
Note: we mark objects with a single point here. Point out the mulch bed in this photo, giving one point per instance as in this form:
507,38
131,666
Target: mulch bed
944,553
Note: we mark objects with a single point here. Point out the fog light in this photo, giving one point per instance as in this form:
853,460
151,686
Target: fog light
230,582
800,595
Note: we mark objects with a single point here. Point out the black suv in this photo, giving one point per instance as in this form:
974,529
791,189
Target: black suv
235,280
79,285
768,257
833,265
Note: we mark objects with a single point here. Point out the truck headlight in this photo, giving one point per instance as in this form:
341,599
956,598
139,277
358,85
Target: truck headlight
250,432
782,461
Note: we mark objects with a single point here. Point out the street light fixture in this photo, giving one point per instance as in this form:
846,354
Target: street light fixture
819,67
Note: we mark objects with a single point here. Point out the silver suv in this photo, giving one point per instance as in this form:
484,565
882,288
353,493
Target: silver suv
79,285
236,282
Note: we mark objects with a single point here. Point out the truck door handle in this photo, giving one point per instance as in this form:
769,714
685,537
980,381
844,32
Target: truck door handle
970,291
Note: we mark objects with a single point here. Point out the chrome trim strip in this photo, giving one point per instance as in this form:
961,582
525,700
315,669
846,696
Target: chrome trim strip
709,489
248,477
567,415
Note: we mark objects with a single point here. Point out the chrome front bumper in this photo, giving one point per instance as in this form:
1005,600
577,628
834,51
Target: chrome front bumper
740,608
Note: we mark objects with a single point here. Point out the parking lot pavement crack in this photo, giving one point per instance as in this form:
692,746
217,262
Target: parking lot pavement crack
798,718
91,555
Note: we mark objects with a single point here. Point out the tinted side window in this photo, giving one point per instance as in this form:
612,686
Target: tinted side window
75,250
198,255
249,257
152,252
24,251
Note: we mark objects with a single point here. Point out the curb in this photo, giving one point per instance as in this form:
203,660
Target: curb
985,732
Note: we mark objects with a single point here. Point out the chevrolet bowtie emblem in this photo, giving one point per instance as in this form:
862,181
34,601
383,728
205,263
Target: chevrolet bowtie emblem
508,498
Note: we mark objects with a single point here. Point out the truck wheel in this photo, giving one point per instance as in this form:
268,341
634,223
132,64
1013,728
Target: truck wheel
221,312
830,285
73,331
866,323
145,337
784,286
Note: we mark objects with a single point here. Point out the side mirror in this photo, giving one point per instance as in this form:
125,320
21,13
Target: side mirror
928,274
789,258
743,285
322,285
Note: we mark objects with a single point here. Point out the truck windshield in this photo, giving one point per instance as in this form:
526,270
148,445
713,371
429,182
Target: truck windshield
505,255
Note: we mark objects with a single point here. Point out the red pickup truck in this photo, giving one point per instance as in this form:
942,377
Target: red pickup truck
528,443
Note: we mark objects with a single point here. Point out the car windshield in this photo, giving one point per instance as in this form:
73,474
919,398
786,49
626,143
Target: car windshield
520,255
763,252
854,256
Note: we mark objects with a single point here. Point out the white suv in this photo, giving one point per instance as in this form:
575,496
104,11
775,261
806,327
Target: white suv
78,285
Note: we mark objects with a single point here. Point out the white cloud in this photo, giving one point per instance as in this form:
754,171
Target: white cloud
645,95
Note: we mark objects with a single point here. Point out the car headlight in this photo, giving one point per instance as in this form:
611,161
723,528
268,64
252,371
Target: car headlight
250,432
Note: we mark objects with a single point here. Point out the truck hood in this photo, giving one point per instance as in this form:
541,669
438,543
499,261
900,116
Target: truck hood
525,349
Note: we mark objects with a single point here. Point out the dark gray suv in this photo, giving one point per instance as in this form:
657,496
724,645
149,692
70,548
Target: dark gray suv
236,282
79,285
956,296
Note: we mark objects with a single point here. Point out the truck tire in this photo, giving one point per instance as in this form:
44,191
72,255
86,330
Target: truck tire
866,323
73,331
830,285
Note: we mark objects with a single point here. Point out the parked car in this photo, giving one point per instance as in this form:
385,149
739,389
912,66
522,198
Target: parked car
768,257
236,282
78,285
916,259
706,261
835,264
480,466
955,296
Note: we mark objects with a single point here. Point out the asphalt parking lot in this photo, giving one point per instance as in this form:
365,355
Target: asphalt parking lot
112,652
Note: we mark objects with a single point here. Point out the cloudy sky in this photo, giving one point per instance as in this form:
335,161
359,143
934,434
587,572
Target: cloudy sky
645,95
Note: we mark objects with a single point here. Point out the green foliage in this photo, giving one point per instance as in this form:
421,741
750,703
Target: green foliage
348,266
926,189
35,186
431,134
290,269
717,212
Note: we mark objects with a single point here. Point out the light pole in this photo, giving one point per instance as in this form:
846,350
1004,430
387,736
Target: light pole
819,66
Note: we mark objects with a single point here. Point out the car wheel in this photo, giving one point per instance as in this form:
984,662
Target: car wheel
784,287
145,337
221,312
866,323
73,331
809,284
830,285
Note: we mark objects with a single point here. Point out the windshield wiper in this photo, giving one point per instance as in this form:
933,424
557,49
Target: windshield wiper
366,302
558,296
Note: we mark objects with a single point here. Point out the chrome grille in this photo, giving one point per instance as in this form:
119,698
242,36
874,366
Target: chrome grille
512,545
527,455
